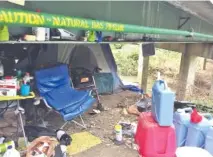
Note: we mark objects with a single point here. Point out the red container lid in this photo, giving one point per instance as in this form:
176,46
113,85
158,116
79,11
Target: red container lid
195,117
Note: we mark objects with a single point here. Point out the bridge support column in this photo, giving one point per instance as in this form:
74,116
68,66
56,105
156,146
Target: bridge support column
143,67
186,73
145,74
140,64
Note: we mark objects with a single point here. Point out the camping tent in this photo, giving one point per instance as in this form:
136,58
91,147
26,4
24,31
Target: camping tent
87,56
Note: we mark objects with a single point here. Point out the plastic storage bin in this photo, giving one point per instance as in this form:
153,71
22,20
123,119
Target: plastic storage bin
162,103
181,122
154,140
209,141
192,152
197,133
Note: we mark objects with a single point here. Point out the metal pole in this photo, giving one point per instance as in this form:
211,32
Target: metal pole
22,124
34,19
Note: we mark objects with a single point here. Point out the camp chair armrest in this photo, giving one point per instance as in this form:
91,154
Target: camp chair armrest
45,102
90,93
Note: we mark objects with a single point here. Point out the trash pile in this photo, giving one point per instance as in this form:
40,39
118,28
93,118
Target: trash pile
167,128
124,134
43,142
143,105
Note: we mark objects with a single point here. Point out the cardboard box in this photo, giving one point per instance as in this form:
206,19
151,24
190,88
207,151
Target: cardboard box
8,87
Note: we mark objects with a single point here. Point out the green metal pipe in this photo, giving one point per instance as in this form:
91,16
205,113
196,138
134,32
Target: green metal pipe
34,19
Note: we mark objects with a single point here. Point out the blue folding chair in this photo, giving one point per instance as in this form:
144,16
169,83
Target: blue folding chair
54,87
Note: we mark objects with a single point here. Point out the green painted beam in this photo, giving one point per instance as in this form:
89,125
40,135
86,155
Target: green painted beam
34,19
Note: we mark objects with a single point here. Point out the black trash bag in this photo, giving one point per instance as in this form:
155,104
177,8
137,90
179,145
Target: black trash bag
144,104
183,104
33,132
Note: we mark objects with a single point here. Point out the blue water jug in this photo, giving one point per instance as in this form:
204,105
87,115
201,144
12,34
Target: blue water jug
181,121
162,103
25,90
209,141
197,133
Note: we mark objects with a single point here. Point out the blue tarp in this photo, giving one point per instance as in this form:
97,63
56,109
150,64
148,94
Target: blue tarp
133,88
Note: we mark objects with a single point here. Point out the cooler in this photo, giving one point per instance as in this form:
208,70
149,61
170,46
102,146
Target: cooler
162,103
154,140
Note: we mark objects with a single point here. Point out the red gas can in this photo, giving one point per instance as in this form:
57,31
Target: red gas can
154,140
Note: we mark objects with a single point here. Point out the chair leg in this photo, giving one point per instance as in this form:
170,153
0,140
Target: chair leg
64,125
83,125
83,122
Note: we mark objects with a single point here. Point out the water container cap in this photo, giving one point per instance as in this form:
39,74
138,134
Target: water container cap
10,147
180,110
118,127
195,117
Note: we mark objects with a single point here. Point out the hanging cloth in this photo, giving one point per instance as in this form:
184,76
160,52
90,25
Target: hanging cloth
91,37
4,33
99,36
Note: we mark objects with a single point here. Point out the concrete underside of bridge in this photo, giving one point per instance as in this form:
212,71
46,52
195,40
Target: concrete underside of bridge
159,14
187,69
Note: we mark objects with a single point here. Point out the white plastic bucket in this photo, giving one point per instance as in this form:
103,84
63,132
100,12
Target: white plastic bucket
192,152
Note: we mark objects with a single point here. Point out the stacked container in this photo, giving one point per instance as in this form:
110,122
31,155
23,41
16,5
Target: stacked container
153,140
181,122
197,132
162,103
155,134
209,141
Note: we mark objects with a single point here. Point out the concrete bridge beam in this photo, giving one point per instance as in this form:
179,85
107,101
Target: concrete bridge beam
197,49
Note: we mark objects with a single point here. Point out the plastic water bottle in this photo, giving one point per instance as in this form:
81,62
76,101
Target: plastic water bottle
11,152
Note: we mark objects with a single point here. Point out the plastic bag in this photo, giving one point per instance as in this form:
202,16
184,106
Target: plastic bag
144,104
43,145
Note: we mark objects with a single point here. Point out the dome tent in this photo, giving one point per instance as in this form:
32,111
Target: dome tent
87,56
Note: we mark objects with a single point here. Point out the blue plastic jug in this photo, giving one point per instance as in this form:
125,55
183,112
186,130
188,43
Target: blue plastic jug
181,121
197,133
209,141
162,103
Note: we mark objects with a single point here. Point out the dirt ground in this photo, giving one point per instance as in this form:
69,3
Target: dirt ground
102,125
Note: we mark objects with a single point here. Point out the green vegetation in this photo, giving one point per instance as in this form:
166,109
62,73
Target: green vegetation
126,58
168,64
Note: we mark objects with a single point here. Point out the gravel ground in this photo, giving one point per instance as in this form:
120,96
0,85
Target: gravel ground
102,125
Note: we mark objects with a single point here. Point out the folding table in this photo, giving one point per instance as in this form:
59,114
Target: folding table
19,109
